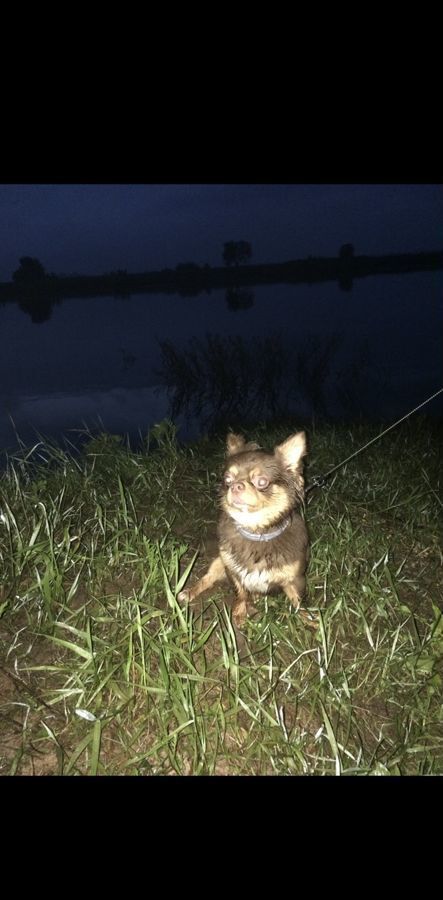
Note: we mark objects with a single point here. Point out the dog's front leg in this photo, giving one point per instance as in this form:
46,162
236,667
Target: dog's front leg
216,572
295,591
240,604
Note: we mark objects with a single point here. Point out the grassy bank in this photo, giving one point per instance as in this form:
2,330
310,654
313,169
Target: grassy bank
102,672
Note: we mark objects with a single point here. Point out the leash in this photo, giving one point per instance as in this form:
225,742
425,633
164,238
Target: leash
320,480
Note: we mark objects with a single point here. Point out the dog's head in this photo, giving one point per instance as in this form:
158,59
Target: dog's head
261,488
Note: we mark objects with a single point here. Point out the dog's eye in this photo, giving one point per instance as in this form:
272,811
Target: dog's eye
261,482
228,479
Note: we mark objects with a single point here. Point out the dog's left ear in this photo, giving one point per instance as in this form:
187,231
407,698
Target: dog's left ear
292,450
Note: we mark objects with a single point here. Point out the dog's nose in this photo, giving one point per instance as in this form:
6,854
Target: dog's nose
237,487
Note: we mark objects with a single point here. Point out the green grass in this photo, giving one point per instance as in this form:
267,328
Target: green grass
103,672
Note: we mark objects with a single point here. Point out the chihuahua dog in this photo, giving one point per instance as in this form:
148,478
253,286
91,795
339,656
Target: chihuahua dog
263,541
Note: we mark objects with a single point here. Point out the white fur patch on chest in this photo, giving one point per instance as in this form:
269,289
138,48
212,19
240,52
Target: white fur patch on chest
255,580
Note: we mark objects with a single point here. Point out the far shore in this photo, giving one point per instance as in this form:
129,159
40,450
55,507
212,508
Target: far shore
191,279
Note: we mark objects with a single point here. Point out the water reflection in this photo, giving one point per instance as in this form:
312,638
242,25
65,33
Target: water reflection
239,299
118,411
38,306
374,351
229,381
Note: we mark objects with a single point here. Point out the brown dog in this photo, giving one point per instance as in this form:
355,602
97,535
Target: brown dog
263,540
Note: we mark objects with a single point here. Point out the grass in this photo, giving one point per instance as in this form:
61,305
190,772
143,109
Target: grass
102,672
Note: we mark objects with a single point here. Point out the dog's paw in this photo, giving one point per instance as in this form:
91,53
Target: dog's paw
252,609
184,596
311,619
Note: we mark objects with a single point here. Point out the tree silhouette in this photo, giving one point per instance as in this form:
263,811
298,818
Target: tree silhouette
30,271
236,252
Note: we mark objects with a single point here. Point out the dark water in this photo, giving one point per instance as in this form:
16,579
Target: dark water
93,361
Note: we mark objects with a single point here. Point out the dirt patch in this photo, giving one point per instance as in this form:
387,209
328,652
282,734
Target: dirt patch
22,707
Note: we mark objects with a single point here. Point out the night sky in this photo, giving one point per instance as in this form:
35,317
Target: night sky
92,229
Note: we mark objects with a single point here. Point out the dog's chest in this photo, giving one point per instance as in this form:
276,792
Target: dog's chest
258,576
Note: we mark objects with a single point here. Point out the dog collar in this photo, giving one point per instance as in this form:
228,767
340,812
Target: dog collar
266,535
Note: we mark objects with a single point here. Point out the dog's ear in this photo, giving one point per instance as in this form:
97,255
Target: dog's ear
292,450
235,443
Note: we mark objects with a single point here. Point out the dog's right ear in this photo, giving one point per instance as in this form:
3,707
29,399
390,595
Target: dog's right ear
235,443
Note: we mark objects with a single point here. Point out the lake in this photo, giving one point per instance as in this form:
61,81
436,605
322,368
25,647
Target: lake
94,362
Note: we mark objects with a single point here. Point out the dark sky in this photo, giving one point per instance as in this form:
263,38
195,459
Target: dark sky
91,229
